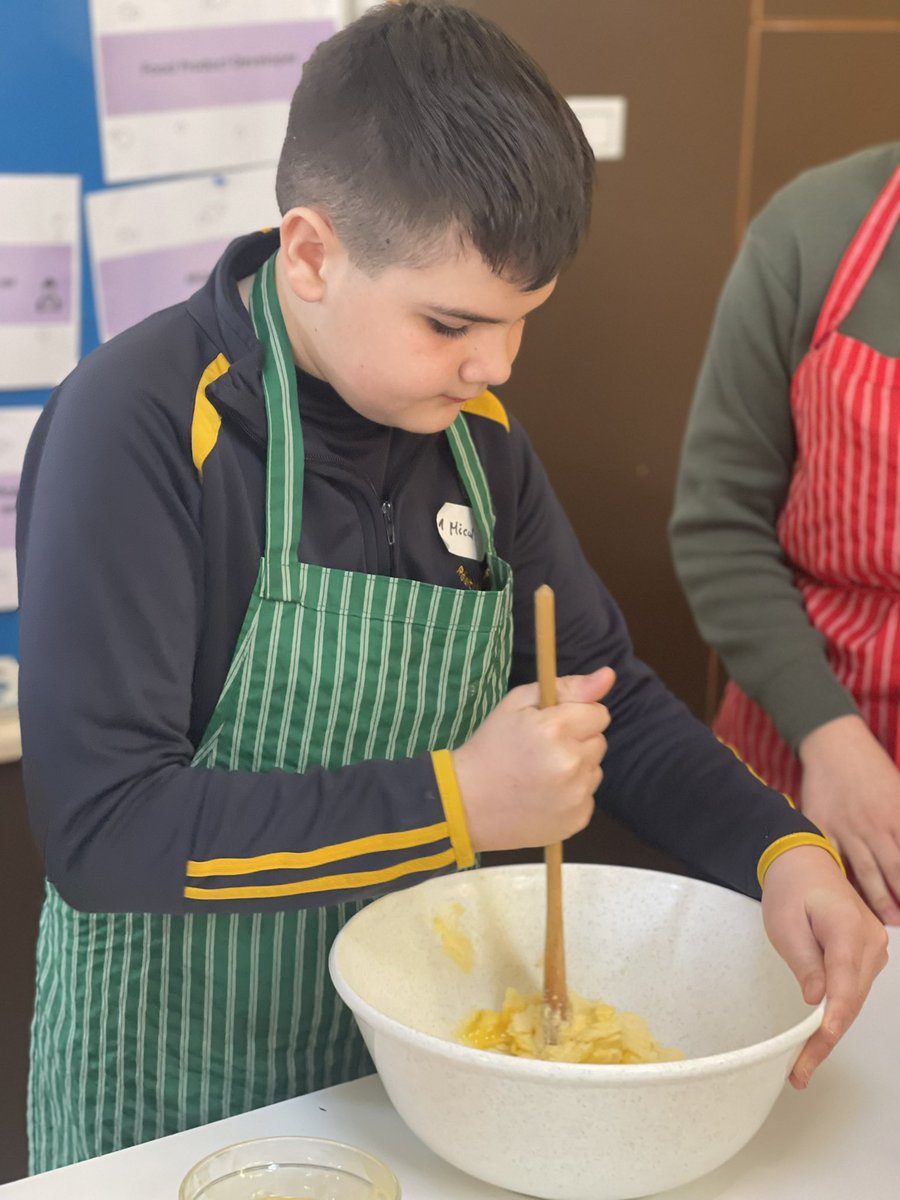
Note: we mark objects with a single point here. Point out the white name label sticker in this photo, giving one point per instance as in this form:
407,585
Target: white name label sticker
459,533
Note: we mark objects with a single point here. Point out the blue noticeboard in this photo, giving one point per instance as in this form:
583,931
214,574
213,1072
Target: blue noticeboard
48,125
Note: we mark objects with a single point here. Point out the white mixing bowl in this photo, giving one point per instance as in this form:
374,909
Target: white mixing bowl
691,958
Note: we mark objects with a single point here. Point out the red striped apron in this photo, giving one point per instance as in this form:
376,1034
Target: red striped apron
840,525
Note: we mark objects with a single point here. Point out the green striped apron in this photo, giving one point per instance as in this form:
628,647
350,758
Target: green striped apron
148,1024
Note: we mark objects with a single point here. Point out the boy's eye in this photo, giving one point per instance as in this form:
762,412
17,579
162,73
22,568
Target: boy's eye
450,331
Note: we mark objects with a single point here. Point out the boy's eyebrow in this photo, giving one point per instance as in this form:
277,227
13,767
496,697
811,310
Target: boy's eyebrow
459,314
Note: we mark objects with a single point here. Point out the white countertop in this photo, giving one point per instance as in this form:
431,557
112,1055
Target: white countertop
837,1140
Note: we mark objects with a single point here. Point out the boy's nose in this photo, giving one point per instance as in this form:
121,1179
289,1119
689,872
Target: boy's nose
490,364
485,374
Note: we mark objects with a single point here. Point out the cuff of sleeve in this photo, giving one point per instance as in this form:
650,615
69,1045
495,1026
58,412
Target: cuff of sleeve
803,695
451,798
790,842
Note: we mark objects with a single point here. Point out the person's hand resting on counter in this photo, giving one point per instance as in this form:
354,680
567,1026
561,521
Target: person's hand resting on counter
851,790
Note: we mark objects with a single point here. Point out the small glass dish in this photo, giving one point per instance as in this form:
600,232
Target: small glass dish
289,1168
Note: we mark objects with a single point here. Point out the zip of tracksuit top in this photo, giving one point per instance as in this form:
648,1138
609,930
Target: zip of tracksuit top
137,557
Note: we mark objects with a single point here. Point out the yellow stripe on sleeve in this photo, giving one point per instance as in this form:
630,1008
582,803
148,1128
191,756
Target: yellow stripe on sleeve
759,778
328,883
790,842
451,798
404,840
206,421
487,405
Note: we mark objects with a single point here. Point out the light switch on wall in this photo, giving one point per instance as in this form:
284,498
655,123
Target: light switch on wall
603,121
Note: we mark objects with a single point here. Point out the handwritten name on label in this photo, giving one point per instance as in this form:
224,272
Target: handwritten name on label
459,533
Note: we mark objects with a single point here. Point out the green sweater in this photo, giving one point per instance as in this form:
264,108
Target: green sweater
738,452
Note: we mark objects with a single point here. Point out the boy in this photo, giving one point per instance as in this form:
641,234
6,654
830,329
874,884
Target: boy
279,547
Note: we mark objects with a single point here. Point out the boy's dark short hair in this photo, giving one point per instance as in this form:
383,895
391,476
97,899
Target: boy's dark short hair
422,119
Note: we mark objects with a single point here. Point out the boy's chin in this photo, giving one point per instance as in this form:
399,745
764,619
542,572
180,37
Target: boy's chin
435,420
436,425
432,416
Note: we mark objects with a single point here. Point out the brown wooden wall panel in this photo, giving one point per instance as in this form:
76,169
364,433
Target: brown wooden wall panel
821,96
607,369
832,10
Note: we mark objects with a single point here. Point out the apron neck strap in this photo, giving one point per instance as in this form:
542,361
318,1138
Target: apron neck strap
860,259
473,478
284,450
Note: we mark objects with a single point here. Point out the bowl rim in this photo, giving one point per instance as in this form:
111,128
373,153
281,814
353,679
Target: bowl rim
280,1139
577,1074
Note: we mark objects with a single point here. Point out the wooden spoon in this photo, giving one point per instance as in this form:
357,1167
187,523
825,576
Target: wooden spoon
556,996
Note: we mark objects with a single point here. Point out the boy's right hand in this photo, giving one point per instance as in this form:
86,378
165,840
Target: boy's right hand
527,775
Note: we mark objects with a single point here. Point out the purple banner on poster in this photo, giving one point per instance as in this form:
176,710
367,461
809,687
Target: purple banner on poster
200,68
9,490
134,287
35,284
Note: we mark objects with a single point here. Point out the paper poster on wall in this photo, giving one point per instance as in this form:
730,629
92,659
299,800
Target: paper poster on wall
188,86
16,424
154,244
40,279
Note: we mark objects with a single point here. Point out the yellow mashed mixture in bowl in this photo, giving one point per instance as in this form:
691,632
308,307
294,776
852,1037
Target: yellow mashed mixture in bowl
594,1032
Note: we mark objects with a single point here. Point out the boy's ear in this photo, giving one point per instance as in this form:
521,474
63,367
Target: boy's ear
307,241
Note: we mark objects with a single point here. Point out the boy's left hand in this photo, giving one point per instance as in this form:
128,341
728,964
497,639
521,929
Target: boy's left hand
829,938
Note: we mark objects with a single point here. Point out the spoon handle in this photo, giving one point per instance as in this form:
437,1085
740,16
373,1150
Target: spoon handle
556,997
